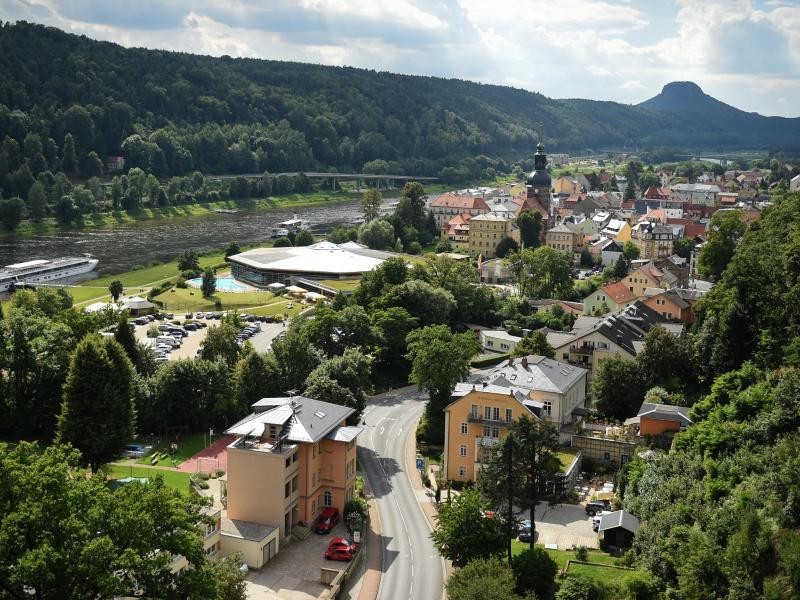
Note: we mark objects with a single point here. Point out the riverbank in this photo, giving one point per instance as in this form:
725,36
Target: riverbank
106,220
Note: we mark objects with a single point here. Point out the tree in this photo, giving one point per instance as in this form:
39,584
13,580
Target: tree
296,357
220,344
189,261
482,579
630,250
116,288
97,412
536,343
522,470
123,334
530,228
618,388
439,359
427,303
630,190
535,572
304,238
255,376
505,246
542,273
69,159
11,210
37,202
378,234
411,208
683,247
391,326
464,534
68,536
282,242
342,380
231,249
208,285
578,587
724,232
620,268
370,204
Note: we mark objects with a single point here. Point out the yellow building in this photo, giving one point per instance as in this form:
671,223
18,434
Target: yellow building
565,237
566,185
474,424
486,231
479,416
292,458
653,240
210,531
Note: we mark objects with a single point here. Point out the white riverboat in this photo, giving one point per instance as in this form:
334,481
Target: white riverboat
293,225
45,271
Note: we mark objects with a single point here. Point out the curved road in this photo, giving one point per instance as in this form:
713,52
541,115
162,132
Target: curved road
412,567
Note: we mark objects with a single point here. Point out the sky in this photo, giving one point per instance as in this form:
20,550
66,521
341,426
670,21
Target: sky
743,52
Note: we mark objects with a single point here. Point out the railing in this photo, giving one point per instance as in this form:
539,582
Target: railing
495,422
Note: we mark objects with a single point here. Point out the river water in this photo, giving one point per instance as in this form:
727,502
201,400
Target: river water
121,247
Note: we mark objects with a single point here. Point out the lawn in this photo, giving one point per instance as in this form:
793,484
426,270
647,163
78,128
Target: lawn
188,446
562,556
277,308
565,457
191,300
605,575
174,479
343,285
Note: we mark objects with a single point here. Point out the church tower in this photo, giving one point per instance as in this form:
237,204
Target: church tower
539,182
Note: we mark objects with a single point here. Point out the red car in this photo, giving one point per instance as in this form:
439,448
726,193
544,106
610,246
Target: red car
326,520
341,549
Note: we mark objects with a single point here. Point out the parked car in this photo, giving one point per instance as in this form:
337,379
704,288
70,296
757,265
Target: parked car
525,531
340,549
326,520
596,506
200,315
188,316
597,517
191,327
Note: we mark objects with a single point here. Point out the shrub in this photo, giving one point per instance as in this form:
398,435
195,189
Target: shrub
181,283
219,472
582,554
535,572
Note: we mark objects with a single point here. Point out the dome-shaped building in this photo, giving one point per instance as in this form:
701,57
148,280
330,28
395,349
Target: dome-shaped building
539,182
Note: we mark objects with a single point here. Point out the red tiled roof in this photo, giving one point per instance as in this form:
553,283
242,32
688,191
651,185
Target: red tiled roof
618,292
456,201
657,193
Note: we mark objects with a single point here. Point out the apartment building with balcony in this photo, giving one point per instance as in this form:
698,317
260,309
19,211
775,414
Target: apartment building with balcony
292,457
475,422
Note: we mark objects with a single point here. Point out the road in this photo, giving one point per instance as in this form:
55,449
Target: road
412,568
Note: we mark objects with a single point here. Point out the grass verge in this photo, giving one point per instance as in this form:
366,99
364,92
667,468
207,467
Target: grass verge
174,479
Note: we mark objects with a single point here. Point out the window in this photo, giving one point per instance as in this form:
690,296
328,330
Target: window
487,413
327,498
287,490
464,429
606,456
212,551
548,408
211,528
486,430
495,432
475,411
509,415
462,450
495,413
462,471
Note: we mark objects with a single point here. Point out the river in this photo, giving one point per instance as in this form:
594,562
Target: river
123,246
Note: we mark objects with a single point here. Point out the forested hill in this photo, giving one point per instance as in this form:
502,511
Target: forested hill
173,113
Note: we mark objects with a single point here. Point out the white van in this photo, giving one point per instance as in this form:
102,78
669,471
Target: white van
168,339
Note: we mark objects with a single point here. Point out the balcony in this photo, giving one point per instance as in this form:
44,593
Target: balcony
473,418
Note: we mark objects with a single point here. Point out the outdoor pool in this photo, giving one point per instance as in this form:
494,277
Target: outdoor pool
224,284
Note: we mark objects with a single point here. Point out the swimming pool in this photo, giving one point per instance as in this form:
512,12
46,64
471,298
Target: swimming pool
224,284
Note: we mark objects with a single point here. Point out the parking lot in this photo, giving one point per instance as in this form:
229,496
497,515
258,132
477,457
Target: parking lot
261,341
294,574
565,525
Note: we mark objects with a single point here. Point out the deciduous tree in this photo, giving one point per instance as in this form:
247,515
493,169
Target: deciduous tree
463,533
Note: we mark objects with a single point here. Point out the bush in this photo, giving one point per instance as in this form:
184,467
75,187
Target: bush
535,572
487,361
219,472
582,554
356,504
415,248
181,283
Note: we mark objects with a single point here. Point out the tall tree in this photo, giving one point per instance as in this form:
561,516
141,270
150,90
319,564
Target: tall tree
116,288
505,247
342,380
370,203
68,536
535,343
231,249
530,228
11,210
97,412
439,359
463,533
37,202
542,273
220,344
482,579
255,376
411,207
724,232
189,261
69,159
208,285
125,338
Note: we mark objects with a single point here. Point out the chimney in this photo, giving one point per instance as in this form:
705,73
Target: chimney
485,383
510,361
524,362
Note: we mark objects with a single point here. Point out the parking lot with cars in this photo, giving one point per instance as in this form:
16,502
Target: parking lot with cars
182,335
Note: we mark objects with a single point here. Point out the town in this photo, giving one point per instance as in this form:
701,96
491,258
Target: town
292,331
